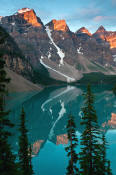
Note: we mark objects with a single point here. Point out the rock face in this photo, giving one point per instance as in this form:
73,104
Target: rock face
32,40
29,16
83,30
58,25
97,50
107,36
56,52
15,60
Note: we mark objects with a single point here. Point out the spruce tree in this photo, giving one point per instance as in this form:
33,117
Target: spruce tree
103,155
105,164
73,142
93,152
90,150
108,169
7,159
114,89
24,148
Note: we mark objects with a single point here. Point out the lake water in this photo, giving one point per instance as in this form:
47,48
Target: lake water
46,115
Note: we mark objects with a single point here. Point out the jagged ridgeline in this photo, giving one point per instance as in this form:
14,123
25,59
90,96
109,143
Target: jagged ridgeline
55,53
17,63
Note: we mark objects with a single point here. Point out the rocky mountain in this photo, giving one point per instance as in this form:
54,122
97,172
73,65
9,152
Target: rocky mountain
55,52
83,30
11,53
58,25
18,69
95,49
108,36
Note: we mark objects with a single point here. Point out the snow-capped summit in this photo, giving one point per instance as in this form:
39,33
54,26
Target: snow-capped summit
23,10
29,15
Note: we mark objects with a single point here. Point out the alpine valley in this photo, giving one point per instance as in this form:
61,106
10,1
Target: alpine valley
53,54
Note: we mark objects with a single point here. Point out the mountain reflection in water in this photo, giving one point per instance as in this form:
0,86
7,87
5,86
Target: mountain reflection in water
46,115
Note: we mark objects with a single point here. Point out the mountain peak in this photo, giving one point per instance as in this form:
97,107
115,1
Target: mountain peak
58,25
84,30
1,18
30,16
101,29
23,10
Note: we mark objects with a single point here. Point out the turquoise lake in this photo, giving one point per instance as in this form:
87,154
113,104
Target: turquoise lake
46,119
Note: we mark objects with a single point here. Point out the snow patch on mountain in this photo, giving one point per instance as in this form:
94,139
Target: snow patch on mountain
59,51
24,10
114,56
49,55
13,23
69,79
79,50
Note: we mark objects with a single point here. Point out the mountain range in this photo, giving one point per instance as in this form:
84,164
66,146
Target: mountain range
52,53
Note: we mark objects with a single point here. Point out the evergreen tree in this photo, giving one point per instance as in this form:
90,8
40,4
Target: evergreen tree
114,89
90,152
93,152
7,159
105,164
73,156
103,155
108,170
24,148
30,158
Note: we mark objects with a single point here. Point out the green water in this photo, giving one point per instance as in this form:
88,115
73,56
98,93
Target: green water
46,115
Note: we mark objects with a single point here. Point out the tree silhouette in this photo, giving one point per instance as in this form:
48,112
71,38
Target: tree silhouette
73,142
24,148
7,159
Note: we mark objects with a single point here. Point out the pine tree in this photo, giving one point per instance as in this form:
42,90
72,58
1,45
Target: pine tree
108,169
7,159
73,156
105,164
114,89
30,158
24,148
90,151
103,155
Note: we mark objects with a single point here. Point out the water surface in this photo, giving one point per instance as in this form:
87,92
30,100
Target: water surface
46,115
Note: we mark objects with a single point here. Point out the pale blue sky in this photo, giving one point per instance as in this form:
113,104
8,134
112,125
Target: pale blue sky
77,13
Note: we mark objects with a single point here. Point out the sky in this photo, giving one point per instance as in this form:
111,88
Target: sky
77,13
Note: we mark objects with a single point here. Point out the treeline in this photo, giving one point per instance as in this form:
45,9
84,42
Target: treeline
11,164
92,158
